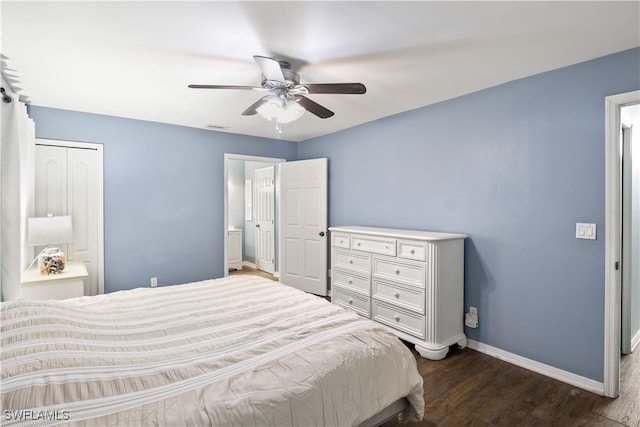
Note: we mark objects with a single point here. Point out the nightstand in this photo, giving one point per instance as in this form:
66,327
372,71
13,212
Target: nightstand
68,284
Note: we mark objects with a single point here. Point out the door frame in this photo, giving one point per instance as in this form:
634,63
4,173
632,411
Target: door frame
100,151
248,158
613,239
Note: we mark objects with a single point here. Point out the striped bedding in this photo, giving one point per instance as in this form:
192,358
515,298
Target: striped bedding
238,351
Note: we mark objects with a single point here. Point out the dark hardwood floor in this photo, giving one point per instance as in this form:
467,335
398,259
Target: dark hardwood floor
469,388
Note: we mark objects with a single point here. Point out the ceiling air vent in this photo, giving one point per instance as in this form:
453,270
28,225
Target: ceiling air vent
215,127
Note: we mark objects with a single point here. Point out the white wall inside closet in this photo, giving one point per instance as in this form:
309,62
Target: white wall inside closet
630,326
69,181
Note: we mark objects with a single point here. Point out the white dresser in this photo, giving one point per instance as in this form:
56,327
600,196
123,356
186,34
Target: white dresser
411,281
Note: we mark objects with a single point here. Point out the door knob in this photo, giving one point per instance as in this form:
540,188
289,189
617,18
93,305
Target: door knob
321,234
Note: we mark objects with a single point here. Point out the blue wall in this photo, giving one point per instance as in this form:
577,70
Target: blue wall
514,167
163,193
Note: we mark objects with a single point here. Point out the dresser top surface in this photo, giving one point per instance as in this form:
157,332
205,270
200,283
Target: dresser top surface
399,233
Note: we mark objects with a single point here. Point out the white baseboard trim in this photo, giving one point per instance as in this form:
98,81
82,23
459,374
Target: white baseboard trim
540,368
635,341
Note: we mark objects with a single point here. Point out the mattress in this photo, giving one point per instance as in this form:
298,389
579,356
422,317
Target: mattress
237,351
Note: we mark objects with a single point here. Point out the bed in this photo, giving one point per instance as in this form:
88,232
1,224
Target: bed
237,351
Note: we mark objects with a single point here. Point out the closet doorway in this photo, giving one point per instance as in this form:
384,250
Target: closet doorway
619,239
69,181
249,203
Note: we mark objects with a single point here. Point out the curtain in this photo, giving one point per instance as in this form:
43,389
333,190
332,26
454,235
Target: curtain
17,153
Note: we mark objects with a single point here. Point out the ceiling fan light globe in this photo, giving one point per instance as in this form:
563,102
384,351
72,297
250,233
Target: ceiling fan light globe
290,112
271,108
281,110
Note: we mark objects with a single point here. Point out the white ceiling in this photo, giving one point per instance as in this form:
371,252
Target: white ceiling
135,59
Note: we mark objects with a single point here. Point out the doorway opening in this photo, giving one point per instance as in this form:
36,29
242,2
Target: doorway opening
246,248
617,255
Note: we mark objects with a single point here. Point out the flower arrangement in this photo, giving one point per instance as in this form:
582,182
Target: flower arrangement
51,262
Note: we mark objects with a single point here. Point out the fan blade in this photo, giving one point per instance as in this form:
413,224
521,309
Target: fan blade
314,108
252,110
222,87
346,88
270,68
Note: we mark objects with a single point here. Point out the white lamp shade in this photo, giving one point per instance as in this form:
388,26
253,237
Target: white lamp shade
270,109
284,111
50,230
292,111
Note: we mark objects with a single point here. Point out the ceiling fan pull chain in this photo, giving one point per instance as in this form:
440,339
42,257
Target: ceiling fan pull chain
278,126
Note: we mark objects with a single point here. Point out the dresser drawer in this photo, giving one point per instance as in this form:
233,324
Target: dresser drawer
352,261
358,303
404,271
340,240
408,297
376,245
352,281
412,250
402,320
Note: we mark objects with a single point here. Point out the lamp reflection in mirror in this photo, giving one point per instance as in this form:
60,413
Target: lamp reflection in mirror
48,231
280,110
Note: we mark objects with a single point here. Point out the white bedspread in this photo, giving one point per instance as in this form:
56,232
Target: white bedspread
239,351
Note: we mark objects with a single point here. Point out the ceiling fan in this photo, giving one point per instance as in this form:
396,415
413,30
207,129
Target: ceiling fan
286,100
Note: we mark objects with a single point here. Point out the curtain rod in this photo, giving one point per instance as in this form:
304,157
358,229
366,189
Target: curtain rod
5,98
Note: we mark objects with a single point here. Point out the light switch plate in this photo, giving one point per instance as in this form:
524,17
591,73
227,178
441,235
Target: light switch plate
585,231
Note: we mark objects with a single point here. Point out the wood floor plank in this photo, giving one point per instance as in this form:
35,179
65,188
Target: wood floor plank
469,388
626,408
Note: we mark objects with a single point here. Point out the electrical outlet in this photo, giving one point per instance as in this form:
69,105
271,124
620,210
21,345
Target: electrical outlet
471,318
154,282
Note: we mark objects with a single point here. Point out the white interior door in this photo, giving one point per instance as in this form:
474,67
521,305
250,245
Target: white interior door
82,183
265,219
303,225
68,181
50,181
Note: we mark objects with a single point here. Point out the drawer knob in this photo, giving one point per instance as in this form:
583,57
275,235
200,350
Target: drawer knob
349,281
397,317
386,246
413,251
358,243
350,301
341,241
397,270
396,294
350,261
